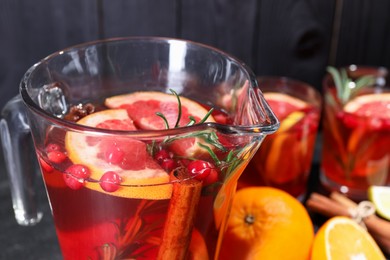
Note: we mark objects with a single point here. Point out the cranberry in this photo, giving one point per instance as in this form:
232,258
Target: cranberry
56,157
164,159
45,166
110,181
211,178
114,155
72,182
161,156
168,165
201,170
76,175
53,147
54,153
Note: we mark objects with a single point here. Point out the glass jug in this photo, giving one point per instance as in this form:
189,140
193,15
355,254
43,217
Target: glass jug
140,142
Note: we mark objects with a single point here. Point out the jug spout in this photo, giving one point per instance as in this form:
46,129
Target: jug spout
20,161
252,113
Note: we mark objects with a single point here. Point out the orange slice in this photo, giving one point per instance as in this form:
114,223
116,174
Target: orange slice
143,106
342,238
141,176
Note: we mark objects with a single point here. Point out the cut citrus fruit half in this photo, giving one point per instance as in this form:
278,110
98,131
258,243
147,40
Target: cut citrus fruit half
342,238
142,108
380,196
371,105
141,176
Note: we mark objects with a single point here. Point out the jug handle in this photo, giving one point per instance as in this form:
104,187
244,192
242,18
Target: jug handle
20,161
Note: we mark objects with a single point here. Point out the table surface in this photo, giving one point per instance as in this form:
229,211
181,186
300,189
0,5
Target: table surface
19,242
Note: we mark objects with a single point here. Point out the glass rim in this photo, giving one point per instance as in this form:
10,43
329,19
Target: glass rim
269,127
312,92
381,71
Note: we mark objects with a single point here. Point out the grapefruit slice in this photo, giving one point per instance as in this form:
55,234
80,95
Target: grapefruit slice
375,109
283,104
143,106
141,177
371,105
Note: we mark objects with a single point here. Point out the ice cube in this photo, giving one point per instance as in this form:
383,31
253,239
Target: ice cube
51,98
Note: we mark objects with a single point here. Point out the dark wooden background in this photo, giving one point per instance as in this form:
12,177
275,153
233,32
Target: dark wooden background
295,38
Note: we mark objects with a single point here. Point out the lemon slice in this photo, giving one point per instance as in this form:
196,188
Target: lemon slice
380,196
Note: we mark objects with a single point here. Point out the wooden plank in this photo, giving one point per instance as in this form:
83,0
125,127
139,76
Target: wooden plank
139,18
324,11
291,41
378,51
364,34
30,30
227,25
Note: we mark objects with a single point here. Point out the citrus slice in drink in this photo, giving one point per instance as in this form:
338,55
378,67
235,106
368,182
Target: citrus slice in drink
374,113
141,176
371,105
380,196
289,110
343,238
284,105
142,108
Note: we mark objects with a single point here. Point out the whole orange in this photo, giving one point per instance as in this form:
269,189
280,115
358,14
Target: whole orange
267,223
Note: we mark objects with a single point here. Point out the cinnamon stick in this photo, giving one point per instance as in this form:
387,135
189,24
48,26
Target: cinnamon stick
343,200
326,206
180,219
377,227
339,205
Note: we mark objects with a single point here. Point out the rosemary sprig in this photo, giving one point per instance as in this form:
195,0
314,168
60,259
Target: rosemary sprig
346,86
207,136
179,114
163,118
179,106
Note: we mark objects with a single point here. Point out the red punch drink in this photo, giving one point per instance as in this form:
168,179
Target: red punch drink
114,197
356,134
141,142
285,157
